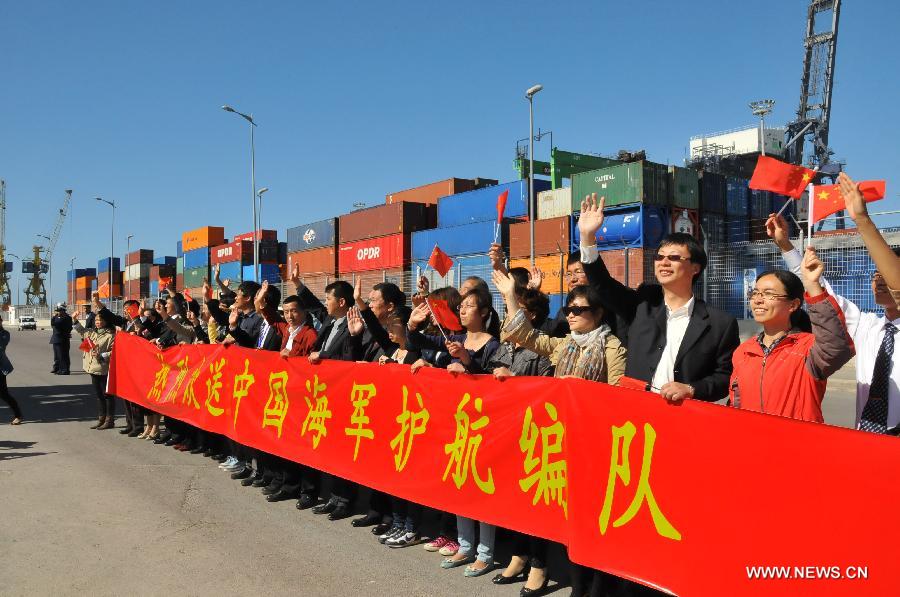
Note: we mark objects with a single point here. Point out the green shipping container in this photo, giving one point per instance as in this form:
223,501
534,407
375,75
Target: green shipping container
193,277
684,188
179,265
637,182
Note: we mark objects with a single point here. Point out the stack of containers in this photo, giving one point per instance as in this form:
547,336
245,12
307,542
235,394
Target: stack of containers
684,199
268,257
759,208
737,228
712,208
162,268
78,285
375,242
196,246
430,193
137,274
231,259
637,213
551,249
467,225
313,248
109,275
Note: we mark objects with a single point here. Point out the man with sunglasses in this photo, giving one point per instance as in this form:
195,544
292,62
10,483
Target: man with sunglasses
676,343
874,336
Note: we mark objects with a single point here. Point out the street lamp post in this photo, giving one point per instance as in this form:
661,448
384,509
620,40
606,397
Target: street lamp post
112,248
259,194
18,280
49,271
529,95
249,118
762,108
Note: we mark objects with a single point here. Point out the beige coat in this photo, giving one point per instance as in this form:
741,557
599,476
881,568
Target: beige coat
103,340
525,335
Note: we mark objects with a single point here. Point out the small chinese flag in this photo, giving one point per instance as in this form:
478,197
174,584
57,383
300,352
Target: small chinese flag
827,199
103,290
501,205
86,345
440,261
776,176
165,282
133,310
187,295
444,315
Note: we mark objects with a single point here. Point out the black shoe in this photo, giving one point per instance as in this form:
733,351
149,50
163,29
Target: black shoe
170,440
306,501
535,592
270,489
54,372
126,430
508,580
367,520
254,478
244,473
219,457
381,528
136,432
326,508
198,450
63,373
209,453
260,481
281,496
339,513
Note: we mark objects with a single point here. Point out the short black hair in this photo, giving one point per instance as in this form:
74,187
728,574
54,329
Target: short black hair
520,275
896,251
341,290
293,298
695,249
249,288
479,283
537,302
391,293
272,296
574,257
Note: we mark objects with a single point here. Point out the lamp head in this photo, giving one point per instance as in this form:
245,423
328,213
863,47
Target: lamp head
532,90
227,108
262,190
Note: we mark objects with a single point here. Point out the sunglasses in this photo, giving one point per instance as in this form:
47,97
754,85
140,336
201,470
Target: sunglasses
575,310
672,258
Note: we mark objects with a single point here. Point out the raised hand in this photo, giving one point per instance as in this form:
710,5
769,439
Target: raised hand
418,316
357,294
259,301
591,219
233,318
504,283
207,289
535,278
812,269
854,202
422,285
497,257
355,323
418,365
777,230
295,277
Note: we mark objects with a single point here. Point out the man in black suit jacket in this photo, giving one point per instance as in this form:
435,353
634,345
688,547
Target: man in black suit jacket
60,339
676,344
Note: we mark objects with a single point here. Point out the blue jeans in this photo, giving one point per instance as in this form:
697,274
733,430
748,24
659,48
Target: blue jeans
486,534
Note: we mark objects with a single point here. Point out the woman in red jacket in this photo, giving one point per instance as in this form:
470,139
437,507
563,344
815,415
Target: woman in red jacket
784,370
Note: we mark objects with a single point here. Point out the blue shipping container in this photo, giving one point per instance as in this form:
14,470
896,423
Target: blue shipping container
760,203
231,271
556,303
165,260
103,265
470,239
179,252
267,271
72,274
94,285
196,258
712,192
154,288
737,230
282,252
481,205
736,192
636,225
713,229
315,235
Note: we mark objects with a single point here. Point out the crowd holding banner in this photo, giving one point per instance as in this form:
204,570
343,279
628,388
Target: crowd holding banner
593,429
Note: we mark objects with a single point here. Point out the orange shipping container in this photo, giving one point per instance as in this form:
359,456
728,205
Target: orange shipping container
383,220
207,236
430,193
314,261
554,270
551,237
82,283
639,265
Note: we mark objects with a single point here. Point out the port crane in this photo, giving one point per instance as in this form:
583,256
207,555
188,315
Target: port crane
5,294
35,293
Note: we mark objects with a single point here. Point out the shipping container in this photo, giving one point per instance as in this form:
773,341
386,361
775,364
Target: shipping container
790,211
470,239
179,265
103,264
314,235
430,193
89,272
138,271
737,230
736,191
557,302
84,283
207,236
630,266
760,203
154,289
162,271
94,285
758,229
635,182
114,278
179,249
684,187
267,271
712,227
481,205
232,271
686,221
179,282
282,253
168,260
629,226
463,267
553,268
384,220
315,261
554,203
384,252
551,237
139,256
240,251
268,251
712,192
136,289
263,235
196,258
194,276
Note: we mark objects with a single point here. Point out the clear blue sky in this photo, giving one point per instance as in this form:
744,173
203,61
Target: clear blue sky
358,99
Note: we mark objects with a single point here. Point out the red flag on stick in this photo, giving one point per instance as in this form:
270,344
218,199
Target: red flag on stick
501,205
103,290
86,345
776,176
187,295
165,282
444,315
827,199
440,261
133,310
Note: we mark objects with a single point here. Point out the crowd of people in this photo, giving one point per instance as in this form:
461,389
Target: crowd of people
661,337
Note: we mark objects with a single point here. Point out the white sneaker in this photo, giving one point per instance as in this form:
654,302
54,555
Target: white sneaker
229,462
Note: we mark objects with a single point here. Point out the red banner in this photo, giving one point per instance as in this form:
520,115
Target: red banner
694,499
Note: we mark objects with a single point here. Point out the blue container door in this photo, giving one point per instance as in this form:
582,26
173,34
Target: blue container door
736,192
556,303
457,240
481,204
639,225
231,271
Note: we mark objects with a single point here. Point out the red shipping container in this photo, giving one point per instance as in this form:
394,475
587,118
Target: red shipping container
399,276
263,235
385,220
430,193
374,253
551,237
139,256
315,261
103,278
179,282
634,272
161,271
268,251
240,250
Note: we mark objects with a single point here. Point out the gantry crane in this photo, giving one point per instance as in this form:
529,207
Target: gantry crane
5,294
35,293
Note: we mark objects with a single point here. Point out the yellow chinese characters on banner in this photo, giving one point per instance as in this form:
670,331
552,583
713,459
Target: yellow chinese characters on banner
318,413
547,472
189,397
463,450
360,396
182,368
159,379
620,468
213,385
277,405
242,383
411,425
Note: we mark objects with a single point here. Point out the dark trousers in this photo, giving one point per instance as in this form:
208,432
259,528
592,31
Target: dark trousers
533,549
61,357
406,514
134,415
342,491
8,399
106,404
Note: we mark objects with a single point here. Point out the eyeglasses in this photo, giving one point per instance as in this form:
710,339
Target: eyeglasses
575,274
575,310
673,258
766,294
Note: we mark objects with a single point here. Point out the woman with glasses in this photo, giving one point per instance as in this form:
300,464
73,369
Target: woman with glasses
784,369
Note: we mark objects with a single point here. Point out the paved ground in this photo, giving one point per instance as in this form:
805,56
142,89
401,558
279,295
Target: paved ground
96,513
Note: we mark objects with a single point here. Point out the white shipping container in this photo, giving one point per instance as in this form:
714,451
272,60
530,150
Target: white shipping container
138,271
740,141
554,204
